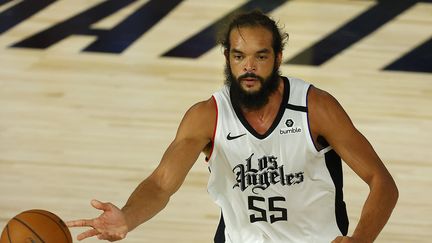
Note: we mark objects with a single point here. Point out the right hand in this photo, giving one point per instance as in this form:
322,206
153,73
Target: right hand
110,225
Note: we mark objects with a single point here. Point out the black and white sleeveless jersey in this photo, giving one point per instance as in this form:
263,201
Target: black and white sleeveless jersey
275,187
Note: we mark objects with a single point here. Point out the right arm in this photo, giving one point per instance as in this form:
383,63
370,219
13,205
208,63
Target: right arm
152,195
194,134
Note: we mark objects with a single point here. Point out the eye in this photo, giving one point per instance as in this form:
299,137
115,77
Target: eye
237,57
262,57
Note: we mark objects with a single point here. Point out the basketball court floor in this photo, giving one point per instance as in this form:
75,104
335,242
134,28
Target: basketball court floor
92,92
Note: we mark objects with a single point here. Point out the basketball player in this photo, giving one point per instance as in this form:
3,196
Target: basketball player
273,145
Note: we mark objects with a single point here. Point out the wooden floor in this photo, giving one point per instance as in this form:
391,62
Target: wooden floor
77,125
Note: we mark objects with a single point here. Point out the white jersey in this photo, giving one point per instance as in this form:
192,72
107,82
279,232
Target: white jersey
275,187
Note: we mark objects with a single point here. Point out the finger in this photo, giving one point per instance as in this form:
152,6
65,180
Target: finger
100,205
80,223
87,234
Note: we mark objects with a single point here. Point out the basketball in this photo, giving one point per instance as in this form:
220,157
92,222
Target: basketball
36,226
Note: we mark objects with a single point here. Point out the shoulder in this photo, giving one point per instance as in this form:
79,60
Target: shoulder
322,103
319,98
203,109
325,112
200,118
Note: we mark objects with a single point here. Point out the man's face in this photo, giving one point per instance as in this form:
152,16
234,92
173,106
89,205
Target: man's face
252,66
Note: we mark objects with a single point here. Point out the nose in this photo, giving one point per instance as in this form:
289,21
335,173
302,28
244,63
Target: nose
250,65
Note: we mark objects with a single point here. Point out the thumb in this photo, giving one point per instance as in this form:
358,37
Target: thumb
100,205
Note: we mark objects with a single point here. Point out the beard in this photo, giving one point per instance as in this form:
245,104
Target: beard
256,99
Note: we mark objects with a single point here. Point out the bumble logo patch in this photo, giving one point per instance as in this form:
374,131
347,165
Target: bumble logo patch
291,129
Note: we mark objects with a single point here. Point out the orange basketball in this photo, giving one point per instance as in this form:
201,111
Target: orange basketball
36,226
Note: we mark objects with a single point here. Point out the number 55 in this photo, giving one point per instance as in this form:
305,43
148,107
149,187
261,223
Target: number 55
261,213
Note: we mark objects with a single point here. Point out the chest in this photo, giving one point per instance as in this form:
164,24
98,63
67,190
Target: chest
284,142
259,123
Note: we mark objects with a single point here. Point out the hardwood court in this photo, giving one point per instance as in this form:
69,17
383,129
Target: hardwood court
80,120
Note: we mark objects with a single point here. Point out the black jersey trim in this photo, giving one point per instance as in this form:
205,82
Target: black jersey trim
297,108
334,166
220,232
275,123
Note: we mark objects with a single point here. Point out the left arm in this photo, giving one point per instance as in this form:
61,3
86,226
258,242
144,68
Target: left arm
326,116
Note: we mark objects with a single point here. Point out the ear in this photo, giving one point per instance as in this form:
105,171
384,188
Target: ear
226,54
279,58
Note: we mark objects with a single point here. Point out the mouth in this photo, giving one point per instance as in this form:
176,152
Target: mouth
249,82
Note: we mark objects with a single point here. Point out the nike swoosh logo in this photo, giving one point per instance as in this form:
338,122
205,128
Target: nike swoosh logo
229,137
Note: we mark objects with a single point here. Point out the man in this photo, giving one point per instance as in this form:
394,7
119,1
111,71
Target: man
273,145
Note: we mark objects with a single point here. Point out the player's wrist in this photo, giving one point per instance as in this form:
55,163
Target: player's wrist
129,218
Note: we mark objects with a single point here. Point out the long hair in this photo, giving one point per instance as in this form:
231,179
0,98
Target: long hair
255,18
